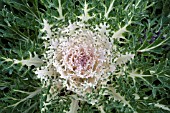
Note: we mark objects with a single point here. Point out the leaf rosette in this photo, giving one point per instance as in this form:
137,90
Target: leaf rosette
80,55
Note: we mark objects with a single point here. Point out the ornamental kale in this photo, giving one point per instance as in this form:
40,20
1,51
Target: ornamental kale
84,56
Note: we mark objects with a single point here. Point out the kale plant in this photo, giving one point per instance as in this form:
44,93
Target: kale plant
84,56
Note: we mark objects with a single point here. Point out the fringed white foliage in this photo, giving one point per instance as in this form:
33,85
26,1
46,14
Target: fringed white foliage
109,10
124,58
74,106
70,29
47,28
41,73
85,17
37,62
119,33
103,29
59,9
87,68
60,12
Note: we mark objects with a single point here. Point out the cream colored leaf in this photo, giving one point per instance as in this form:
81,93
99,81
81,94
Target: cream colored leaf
85,17
124,58
59,9
74,106
47,28
109,10
37,62
41,73
119,33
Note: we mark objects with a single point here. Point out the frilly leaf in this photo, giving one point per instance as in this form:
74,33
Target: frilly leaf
74,106
85,17
119,33
42,73
59,9
37,62
103,28
109,10
124,58
47,28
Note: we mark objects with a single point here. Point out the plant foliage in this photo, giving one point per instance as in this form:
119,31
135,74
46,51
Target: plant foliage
140,27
